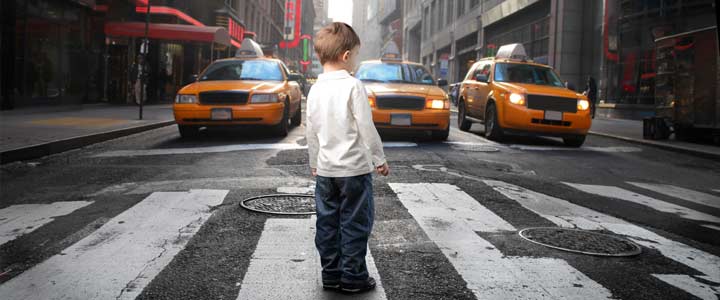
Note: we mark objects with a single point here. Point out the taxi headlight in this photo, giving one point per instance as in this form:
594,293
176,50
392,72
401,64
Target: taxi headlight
435,104
516,98
185,99
583,104
371,101
264,98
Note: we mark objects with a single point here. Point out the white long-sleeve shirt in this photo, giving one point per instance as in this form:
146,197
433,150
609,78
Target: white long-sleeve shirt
341,136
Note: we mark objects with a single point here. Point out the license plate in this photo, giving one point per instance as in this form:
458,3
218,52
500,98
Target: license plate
221,114
400,119
553,115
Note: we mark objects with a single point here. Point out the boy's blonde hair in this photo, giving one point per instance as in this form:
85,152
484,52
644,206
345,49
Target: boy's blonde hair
333,40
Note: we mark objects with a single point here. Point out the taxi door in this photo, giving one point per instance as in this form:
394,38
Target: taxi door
481,88
469,90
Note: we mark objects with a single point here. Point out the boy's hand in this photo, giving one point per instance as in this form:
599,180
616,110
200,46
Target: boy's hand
383,170
313,171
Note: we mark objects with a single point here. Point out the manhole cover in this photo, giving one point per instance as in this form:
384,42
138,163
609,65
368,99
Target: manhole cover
281,204
475,148
581,241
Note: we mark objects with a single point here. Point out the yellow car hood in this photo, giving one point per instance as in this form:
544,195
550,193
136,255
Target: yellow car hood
535,89
422,90
229,85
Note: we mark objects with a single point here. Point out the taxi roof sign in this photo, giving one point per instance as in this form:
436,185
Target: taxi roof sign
249,48
391,52
511,51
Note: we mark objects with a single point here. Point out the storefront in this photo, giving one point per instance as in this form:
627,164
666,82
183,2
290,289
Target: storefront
57,53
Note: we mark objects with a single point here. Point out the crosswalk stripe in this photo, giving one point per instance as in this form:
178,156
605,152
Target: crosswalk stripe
286,265
623,194
681,193
17,220
120,258
488,273
594,149
226,148
566,214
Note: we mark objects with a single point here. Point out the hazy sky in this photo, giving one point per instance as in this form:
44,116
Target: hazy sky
340,10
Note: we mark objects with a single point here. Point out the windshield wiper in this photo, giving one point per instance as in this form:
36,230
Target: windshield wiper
371,80
250,78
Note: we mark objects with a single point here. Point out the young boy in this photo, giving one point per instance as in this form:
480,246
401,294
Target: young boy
344,149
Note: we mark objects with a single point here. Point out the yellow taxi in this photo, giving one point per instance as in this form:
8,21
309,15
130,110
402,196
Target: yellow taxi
249,89
513,95
405,97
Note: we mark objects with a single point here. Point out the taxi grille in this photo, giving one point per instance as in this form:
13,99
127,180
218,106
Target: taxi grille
562,104
224,97
400,102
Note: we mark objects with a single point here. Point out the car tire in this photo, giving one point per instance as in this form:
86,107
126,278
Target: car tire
493,131
188,131
441,135
296,120
281,129
463,123
574,141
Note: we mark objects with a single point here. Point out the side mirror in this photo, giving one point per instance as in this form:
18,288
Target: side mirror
294,77
442,82
570,86
481,78
193,78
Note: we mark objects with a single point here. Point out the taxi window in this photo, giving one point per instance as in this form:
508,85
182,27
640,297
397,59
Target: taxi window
394,73
521,73
243,70
483,69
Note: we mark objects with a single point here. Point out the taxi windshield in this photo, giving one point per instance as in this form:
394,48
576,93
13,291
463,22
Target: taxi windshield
522,73
394,73
243,70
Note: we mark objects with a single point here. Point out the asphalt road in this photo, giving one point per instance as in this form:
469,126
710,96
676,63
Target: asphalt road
153,216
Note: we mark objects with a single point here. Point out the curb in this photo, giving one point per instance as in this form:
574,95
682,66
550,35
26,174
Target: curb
678,149
57,146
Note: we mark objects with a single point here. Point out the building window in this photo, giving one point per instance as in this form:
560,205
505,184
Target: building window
460,8
449,12
474,3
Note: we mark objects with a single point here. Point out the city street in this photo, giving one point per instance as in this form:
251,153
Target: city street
154,216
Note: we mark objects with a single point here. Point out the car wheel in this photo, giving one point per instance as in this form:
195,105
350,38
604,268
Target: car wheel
441,135
493,131
463,123
574,141
296,120
281,129
188,131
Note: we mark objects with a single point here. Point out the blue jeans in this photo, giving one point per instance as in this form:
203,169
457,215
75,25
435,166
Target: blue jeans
345,214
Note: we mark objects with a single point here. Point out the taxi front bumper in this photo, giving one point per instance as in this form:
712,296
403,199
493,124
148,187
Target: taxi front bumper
245,114
522,120
426,119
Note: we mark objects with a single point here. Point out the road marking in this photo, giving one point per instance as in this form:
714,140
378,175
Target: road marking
227,148
478,138
566,214
78,122
17,220
716,190
623,194
681,193
296,189
690,285
224,183
450,218
595,149
713,227
120,258
286,265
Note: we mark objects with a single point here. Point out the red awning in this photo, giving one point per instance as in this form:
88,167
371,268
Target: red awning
173,32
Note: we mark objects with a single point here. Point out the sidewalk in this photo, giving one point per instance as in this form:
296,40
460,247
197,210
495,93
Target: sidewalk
632,131
28,133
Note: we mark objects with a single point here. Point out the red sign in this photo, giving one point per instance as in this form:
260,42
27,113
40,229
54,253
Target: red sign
236,30
297,16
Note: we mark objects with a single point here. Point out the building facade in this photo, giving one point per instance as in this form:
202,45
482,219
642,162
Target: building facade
609,40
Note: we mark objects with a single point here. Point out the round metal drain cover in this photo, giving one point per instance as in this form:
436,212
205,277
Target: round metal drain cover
581,241
281,204
475,148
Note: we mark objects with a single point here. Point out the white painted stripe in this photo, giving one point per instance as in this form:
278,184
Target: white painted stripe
692,286
488,273
681,193
711,227
296,190
623,194
224,183
228,148
566,214
17,220
595,149
716,190
475,137
119,259
286,265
